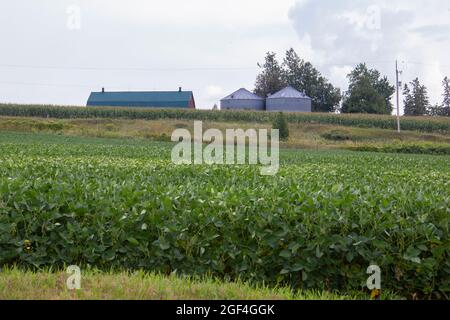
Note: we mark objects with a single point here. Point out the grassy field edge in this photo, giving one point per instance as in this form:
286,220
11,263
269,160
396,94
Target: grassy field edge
302,136
424,124
17,284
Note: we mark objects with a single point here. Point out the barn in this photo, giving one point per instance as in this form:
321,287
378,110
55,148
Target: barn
242,99
145,99
288,100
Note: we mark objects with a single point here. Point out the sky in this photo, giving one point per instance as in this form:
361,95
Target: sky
57,52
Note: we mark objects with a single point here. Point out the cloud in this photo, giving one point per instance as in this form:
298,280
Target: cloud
214,91
338,74
437,32
195,12
182,43
192,44
344,33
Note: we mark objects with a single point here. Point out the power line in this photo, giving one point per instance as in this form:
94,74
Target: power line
426,64
356,63
225,68
210,68
82,86
45,84
154,69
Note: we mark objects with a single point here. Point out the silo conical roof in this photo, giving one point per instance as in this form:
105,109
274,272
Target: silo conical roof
242,94
289,93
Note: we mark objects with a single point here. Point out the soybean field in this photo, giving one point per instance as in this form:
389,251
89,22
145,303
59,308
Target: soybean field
317,224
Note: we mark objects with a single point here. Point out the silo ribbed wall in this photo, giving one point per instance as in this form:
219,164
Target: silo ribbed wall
237,104
288,105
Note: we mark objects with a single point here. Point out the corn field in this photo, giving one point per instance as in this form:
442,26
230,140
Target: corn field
424,124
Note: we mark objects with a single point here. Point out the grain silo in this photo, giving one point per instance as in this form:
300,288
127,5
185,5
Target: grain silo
242,100
288,100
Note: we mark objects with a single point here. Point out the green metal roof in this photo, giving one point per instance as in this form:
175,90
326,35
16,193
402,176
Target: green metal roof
163,99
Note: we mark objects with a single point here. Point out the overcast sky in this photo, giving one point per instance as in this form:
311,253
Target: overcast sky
56,52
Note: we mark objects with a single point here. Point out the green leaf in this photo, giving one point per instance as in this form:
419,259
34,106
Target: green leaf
284,271
164,245
304,276
133,241
319,254
297,267
285,254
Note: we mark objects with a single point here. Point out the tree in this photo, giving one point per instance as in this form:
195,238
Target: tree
304,77
270,80
444,108
436,110
416,102
294,70
386,90
408,100
446,95
364,98
368,92
281,124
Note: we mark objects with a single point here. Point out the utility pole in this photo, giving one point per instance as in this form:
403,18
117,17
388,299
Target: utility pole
397,84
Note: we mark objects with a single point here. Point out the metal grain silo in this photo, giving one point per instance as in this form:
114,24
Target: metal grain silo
242,100
288,100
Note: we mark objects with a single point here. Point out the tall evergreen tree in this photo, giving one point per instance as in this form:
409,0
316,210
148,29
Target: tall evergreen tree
304,77
408,100
416,101
444,108
436,110
446,95
294,70
271,79
368,92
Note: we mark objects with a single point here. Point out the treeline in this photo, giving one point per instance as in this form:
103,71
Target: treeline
425,124
368,92
299,74
417,103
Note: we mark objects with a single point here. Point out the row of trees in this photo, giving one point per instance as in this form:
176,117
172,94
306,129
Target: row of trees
417,103
368,92
299,74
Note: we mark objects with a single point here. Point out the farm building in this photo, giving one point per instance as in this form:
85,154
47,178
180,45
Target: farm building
146,99
242,100
288,100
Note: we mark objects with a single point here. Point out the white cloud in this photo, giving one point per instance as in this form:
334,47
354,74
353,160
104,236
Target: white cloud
214,91
338,75
196,12
203,45
183,43
347,32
